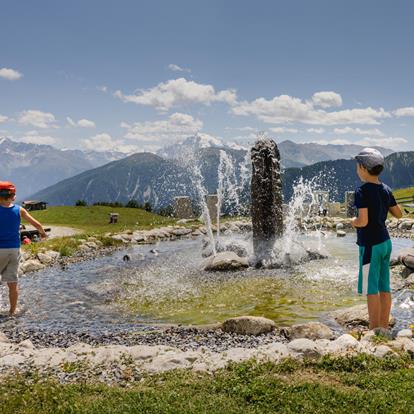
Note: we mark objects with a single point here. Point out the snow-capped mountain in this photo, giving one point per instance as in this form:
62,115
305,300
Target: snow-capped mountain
190,145
33,167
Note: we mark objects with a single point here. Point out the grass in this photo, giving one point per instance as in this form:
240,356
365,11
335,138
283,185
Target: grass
404,192
359,384
95,219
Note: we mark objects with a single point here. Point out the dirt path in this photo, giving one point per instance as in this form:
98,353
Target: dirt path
58,231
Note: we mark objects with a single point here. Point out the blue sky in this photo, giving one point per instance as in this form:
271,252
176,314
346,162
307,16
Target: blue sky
136,75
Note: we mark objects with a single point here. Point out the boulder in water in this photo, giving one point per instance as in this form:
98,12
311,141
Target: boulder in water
248,325
355,316
225,261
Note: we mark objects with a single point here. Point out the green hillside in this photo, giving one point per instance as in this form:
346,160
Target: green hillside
95,219
404,192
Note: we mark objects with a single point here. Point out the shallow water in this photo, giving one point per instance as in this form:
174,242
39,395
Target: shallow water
108,294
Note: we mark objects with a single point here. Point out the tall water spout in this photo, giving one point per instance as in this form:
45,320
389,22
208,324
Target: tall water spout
266,199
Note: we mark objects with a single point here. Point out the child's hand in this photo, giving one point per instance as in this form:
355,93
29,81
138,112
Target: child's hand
353,222
43,235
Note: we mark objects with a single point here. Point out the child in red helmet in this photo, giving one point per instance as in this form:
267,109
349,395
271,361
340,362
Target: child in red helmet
10,217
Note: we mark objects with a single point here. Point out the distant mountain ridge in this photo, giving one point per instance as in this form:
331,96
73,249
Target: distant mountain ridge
147,177
292,154
33,166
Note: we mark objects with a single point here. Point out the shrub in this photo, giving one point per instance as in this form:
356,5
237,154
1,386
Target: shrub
81,203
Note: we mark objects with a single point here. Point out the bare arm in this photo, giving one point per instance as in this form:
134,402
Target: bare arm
362,219
26,216
396,211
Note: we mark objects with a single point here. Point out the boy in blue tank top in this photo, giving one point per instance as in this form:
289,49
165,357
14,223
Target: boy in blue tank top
10,218
374,200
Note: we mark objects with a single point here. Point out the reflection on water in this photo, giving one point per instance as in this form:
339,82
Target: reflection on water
108,293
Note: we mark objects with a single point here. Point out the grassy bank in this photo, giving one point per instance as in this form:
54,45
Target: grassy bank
404,192
95,219
348,385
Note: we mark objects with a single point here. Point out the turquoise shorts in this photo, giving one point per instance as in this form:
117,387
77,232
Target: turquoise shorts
374,268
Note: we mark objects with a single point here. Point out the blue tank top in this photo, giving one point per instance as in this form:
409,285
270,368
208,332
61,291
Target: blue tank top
10,227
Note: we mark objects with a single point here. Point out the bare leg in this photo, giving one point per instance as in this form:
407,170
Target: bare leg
385,309
13,296
374,311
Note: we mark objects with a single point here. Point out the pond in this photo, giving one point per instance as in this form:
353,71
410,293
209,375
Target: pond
164,284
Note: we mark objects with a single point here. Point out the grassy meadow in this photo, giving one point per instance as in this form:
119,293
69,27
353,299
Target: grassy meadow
358,384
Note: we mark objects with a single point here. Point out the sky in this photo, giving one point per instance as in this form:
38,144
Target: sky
135,75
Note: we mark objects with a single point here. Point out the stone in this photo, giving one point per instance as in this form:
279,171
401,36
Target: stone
382,350
3,338
310,330
225,261
27,344
405,225
31,265
274,352
12,360
354,316
181,232
53,254
266,198
304,347
44,258
339,226
248,325
405,333
340,233
343,345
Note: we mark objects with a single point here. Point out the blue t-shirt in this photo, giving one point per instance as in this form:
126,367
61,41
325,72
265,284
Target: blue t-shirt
10,227
378,198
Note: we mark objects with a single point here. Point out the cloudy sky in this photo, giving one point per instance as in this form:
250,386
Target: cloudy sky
135,75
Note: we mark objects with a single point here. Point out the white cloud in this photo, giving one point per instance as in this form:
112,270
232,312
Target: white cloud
388,142
177,92
374,132
154,134
243,129
104,142
177,68
102,88
316,130
84,123
33,137
407,111
283,130
10,74
37,119
326,99
3,118
286,109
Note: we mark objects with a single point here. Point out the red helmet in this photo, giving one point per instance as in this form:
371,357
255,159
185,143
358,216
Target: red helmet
7,188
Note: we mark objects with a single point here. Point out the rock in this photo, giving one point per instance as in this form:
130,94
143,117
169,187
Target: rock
44,258
225,261
12,360
304,346
248,325
27,344
274,352
382,350
343,345
234,247
340,233
339,226
31,266
4,338
405,225
53,254
181,232
310,330
355,316
405,333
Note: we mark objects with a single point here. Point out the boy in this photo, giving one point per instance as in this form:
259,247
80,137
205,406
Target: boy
374,200
10,217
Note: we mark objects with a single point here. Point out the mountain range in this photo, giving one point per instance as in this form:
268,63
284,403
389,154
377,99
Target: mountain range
33,167
147,177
